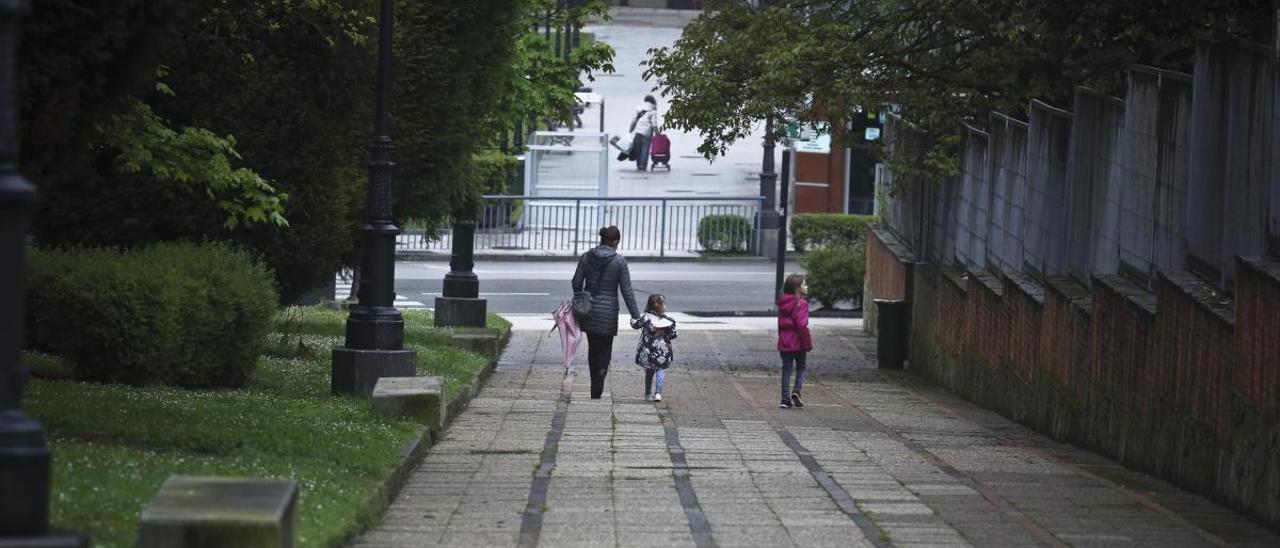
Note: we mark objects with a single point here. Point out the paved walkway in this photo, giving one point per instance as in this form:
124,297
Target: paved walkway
873,459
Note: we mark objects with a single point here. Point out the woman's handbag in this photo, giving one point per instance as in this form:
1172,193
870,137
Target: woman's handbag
582,300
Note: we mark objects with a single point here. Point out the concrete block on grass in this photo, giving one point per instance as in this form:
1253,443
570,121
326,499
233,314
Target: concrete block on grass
196,511
417,398
482,341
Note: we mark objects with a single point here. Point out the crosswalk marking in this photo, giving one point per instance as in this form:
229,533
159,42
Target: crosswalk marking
342,289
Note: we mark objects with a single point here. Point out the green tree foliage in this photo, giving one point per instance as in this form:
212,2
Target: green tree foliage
466,72
194,120
539,83
943,62
449,60
293,81
85,126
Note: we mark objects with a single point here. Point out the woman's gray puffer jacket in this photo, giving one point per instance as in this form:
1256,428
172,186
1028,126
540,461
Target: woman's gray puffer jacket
604,297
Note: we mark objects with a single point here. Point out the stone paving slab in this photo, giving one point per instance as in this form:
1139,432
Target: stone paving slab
874,459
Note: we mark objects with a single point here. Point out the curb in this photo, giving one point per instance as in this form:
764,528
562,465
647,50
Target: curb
458,404
416,449
819,313
376,505
422,256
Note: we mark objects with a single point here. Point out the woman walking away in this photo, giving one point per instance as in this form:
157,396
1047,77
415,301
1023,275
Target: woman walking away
602,272
794,341
643,127
654,353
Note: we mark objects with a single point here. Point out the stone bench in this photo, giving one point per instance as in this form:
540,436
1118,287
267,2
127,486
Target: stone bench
194,511
417,398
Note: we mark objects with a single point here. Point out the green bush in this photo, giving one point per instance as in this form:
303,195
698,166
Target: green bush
810,230
835,272
724,233
177,314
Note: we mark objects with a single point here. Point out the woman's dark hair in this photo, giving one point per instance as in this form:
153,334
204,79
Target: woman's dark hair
610,234
793,283
654,299
649,99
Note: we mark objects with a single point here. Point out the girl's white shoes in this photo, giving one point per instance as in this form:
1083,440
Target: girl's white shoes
657,397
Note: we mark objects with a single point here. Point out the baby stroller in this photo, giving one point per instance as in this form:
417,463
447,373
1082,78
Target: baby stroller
660,151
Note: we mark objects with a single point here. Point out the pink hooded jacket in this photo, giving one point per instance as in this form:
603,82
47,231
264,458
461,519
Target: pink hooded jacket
793,324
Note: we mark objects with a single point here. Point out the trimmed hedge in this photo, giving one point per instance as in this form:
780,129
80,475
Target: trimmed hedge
177,314
724,233
835,272
810,230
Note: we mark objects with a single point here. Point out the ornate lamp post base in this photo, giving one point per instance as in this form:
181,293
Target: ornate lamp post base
355,371
461,306
460,312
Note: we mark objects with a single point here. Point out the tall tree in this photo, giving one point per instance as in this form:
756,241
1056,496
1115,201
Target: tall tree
943,62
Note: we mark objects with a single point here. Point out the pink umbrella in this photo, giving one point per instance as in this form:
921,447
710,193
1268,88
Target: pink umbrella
570,333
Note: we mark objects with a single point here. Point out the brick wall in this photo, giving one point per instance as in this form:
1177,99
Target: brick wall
986,319
1066,336
1193,348
1183,383
1025,300
1257,320
1123,321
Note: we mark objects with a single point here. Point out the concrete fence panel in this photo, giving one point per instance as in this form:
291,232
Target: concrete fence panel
1154,163
1045,228
1093,206
1230,145
975,197
1009,192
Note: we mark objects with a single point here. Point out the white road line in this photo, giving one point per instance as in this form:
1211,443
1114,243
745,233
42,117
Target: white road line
517,294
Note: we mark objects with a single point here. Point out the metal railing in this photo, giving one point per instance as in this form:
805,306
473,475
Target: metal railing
569,225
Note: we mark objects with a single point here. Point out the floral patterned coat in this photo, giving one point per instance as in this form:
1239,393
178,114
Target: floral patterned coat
656,334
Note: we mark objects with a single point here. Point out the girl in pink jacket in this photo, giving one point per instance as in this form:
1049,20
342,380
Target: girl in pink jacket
793,336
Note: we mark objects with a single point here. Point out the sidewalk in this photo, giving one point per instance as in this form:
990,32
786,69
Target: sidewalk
873,459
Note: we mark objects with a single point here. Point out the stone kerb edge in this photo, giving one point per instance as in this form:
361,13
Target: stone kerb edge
459,402
410,456
418,447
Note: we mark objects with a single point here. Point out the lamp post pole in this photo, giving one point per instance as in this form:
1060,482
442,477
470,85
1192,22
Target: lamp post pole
768,179
375,329
782,222
25,464
768,220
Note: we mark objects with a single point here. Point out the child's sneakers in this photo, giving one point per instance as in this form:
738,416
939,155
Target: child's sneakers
785,404
657,397
795,400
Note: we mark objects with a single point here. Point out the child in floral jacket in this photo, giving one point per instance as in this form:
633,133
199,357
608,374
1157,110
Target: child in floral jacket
654,353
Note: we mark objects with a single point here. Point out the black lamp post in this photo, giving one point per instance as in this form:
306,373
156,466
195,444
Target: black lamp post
375,330
25,466
768,180
782,221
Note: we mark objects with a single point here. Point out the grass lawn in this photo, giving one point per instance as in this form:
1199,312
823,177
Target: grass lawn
113,445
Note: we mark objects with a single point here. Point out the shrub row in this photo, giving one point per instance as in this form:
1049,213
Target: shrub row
724,233
178,314
810,230
835,272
